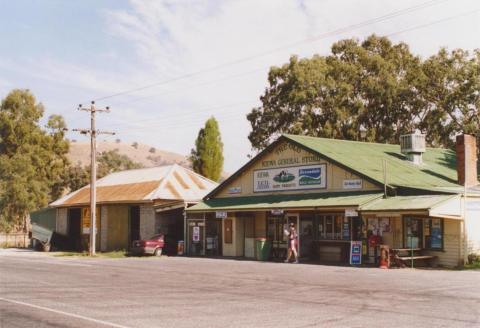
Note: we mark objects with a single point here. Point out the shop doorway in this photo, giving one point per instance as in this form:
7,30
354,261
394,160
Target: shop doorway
306,236
275,234
295,219
134,224
196,236
74,230
213,237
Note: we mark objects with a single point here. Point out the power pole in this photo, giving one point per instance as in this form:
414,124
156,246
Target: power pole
93,164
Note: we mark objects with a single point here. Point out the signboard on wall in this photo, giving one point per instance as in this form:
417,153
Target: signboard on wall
220,214
196,234
86,219
356,252
290,178
352,184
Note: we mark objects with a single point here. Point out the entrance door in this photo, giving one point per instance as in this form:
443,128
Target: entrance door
413,233
249,245
196,232
74,229
275,233
134,224
306,236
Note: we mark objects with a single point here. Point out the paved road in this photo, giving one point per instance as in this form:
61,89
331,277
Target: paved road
38,290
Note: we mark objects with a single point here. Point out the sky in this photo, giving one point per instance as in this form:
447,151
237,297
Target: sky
165,67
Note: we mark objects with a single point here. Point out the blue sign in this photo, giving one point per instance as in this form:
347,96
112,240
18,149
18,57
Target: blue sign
356,253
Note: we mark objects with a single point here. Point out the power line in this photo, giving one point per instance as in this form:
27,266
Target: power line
185,115
467,13
263,54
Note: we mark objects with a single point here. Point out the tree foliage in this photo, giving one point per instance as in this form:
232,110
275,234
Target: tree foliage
33,162
112,161
207,157
375,87
107,162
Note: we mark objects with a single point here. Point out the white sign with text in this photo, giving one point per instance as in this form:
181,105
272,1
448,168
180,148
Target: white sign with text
290,178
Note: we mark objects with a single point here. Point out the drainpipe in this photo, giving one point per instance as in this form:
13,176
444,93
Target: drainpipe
185,247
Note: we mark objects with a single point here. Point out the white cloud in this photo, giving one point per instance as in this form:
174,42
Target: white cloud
174,38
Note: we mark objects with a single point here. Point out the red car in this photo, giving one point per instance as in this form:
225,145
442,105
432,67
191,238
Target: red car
152,246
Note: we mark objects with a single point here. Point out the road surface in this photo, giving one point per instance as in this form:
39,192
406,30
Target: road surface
39,290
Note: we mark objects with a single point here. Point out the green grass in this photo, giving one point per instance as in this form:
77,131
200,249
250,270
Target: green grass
472,266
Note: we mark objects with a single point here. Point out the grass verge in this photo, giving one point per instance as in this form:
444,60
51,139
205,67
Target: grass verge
112,255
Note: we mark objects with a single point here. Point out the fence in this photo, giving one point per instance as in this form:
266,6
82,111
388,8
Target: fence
15,239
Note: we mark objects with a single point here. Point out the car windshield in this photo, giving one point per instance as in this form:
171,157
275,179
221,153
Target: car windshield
156,237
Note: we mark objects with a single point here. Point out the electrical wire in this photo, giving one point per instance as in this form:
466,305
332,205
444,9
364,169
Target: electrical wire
269,52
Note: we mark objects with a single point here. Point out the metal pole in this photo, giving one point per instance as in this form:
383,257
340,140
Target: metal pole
93,178
93,168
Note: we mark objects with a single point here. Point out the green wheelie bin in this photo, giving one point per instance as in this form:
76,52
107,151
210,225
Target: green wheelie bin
263,246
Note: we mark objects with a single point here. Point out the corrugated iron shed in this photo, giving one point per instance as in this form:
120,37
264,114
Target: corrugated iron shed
171,182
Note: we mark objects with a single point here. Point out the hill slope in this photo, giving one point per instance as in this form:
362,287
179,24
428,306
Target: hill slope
143,154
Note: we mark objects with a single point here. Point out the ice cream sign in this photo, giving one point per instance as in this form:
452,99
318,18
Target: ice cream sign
290,178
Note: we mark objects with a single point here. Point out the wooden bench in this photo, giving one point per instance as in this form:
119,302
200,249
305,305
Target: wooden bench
402,260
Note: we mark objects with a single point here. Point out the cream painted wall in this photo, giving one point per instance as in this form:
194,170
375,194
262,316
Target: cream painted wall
452,254
472,224
281,155
236,248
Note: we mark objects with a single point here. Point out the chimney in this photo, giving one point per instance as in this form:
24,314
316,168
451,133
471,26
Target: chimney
467,160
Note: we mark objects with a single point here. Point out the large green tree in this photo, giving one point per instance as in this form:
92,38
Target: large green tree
33,162
207,156
372,90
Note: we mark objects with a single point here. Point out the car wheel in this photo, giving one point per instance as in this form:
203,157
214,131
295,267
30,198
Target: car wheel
158,252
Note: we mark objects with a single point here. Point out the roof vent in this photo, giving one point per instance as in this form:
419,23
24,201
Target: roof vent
413,146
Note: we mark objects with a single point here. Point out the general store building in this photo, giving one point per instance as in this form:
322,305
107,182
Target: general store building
340,191
132,205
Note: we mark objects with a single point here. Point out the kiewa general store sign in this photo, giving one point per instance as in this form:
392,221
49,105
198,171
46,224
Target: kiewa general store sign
290,178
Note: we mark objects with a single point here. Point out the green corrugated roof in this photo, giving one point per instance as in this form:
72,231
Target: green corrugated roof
266,202
437,171
400,203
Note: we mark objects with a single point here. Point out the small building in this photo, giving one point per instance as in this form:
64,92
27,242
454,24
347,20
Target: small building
132,205
337,192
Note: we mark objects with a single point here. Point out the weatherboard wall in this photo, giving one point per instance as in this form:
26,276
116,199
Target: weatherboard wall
288,156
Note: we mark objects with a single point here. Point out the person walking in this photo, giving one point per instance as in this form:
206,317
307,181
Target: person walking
292,243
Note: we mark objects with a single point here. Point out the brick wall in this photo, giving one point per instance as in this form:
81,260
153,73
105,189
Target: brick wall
147,221
62,214
467,154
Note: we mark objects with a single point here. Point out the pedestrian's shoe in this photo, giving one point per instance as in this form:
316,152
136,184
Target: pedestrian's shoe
296,262
286,261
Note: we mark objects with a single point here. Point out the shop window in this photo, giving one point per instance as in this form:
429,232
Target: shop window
333,227
433,231
413,233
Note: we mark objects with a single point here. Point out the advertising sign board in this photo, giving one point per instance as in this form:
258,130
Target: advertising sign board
290,178
196,234
356,252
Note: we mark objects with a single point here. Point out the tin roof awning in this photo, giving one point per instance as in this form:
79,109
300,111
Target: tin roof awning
295,201
448,206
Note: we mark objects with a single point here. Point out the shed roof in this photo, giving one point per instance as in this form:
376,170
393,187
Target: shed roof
170,182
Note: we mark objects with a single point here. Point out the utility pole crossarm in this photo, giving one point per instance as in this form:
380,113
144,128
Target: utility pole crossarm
93,177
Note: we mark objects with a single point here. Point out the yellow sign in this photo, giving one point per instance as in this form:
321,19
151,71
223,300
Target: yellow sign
86,217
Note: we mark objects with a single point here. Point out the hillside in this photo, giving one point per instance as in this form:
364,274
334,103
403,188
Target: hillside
143,154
